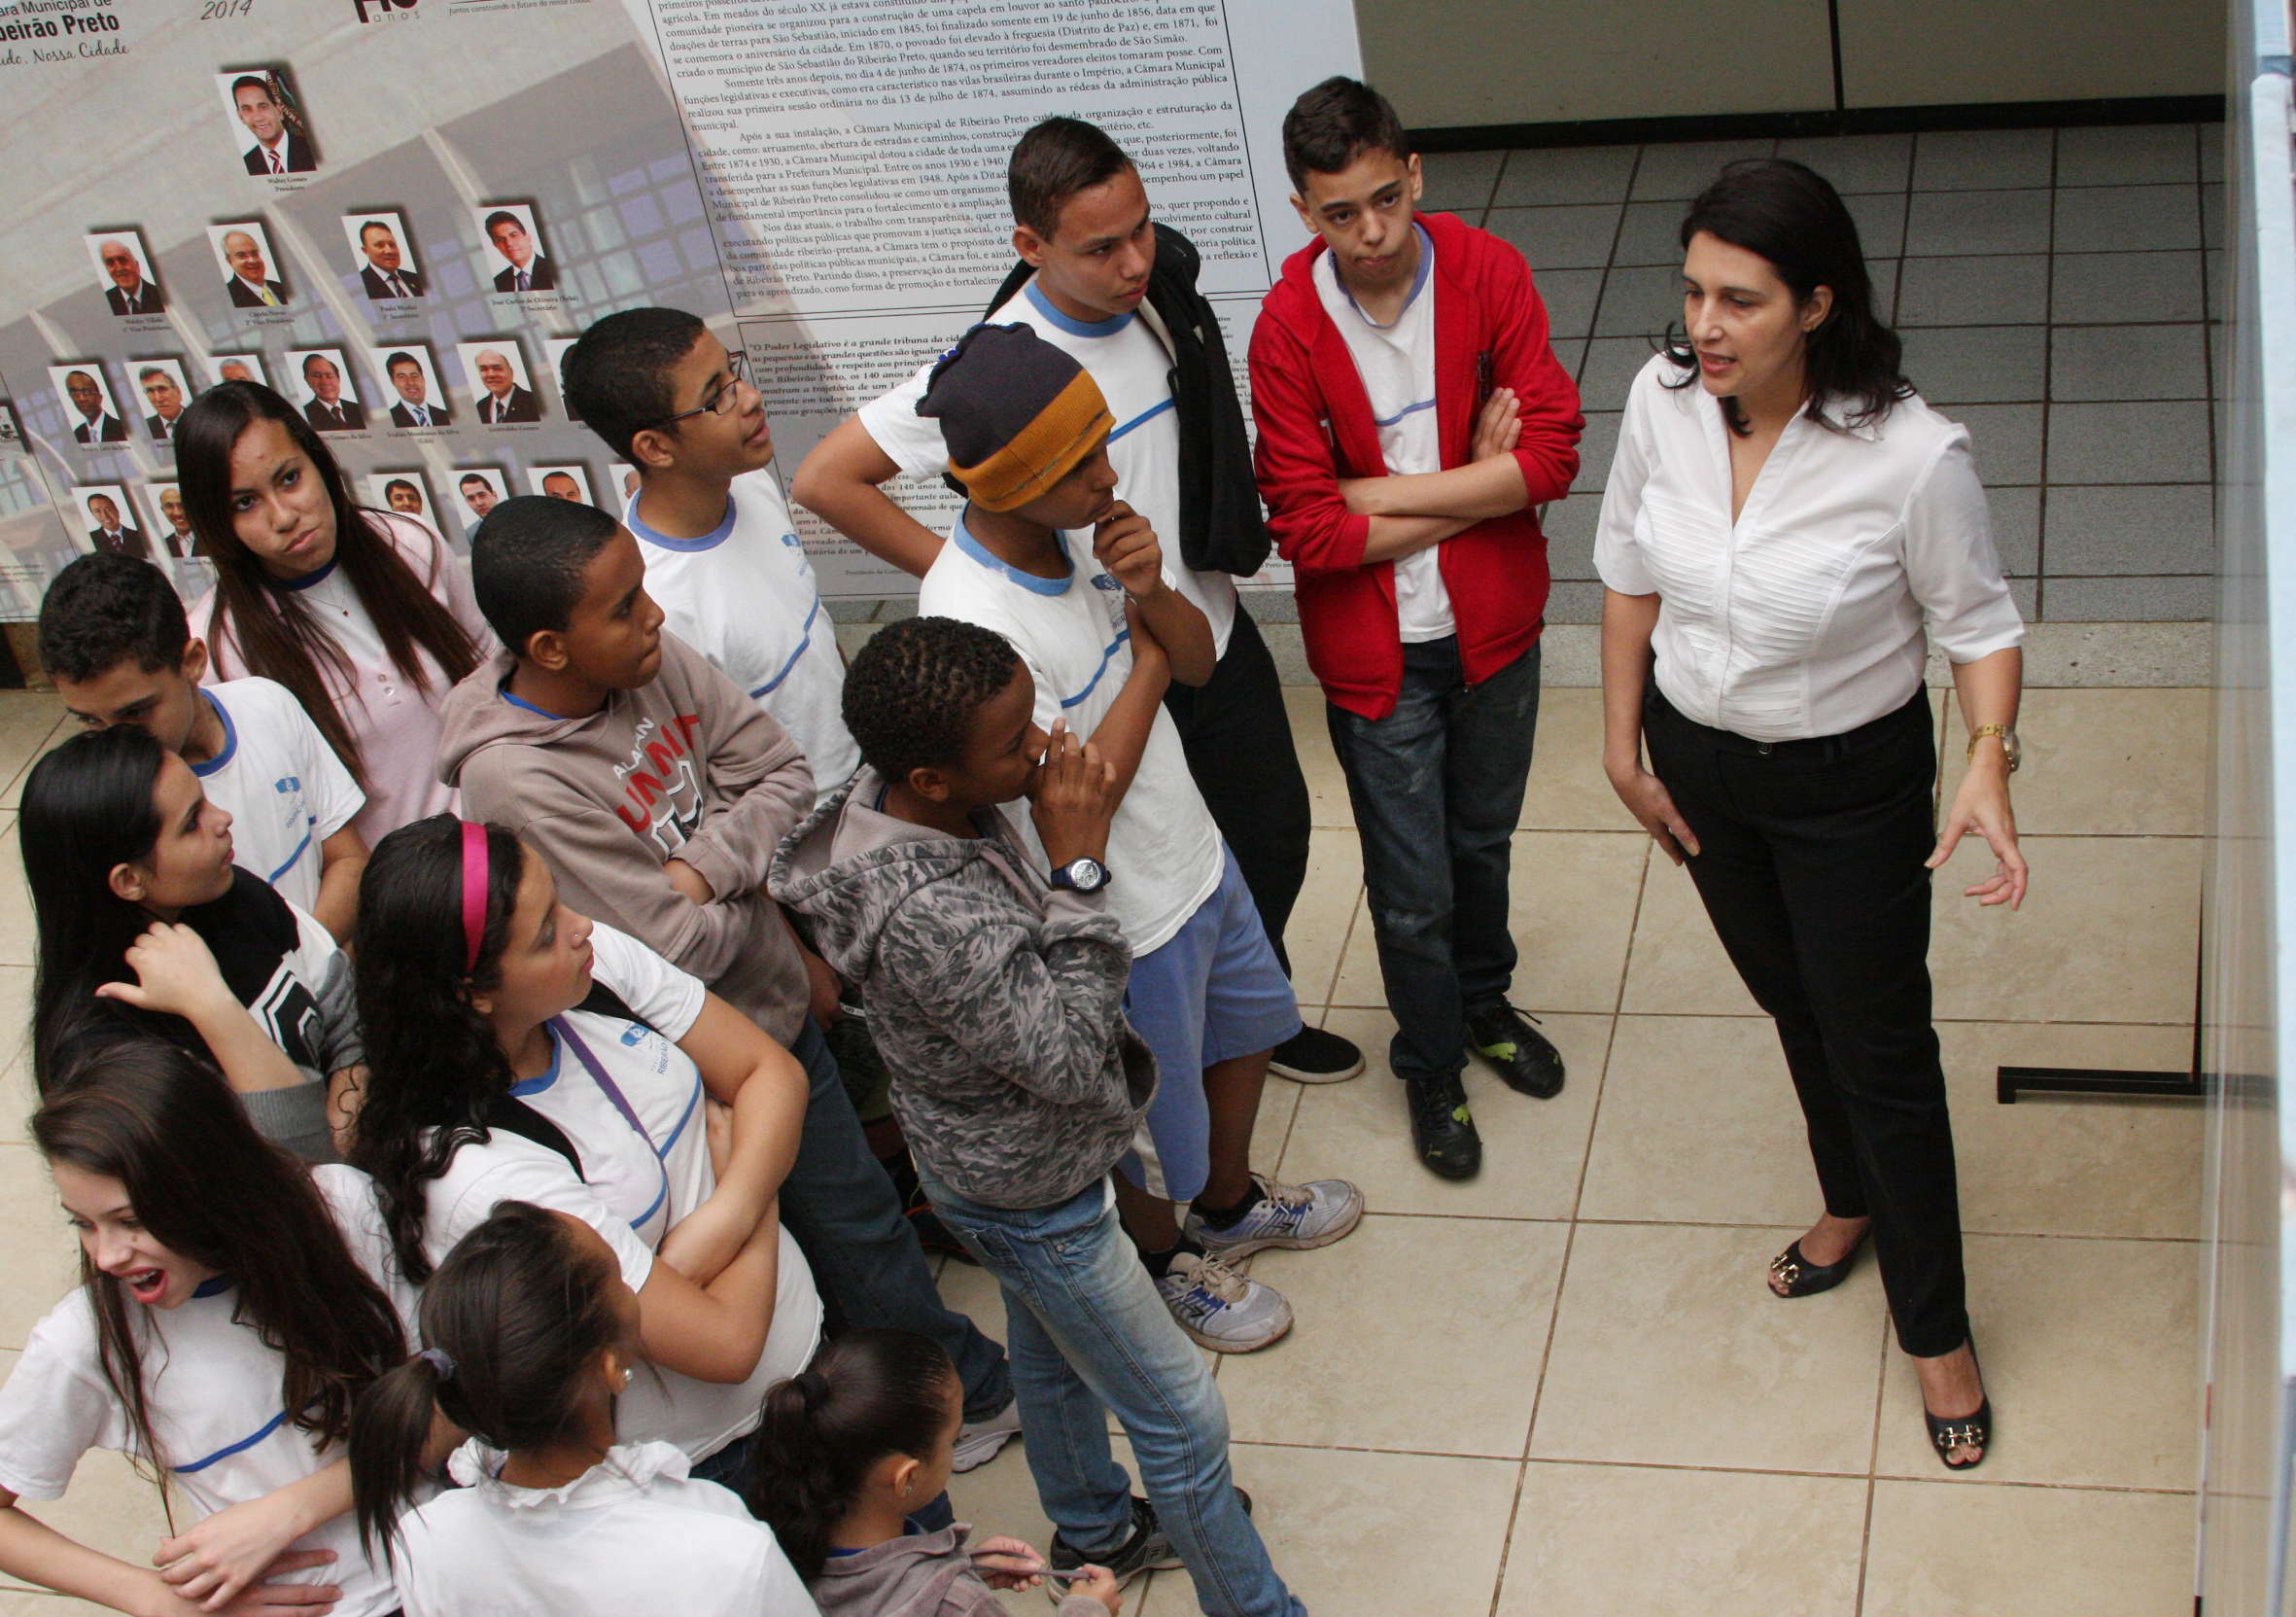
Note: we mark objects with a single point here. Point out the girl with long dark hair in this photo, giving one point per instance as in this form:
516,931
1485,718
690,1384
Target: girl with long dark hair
232,1307
364,615
1786,529
531,1337
519,1052
143,918
848,1451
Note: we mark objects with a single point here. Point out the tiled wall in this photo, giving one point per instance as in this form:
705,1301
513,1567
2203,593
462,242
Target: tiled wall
2054,289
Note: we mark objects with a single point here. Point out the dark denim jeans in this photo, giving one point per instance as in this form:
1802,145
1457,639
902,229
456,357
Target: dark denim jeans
1437,786
870,1272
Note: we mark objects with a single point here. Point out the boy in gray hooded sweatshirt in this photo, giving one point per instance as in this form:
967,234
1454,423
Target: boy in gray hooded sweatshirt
998,1004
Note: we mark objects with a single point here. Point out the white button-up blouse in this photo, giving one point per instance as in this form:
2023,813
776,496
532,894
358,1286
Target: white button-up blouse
1805,617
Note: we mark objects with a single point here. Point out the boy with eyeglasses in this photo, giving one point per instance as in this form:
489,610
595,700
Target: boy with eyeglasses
722,559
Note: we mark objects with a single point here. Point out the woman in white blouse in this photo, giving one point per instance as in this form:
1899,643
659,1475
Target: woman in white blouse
1785,521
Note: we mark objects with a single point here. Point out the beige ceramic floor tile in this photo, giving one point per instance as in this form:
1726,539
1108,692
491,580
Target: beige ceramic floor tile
2072,1165
1699,1125
1669,1351
1568,790
1356,1368
1532,1149
1978,1551
1679,968
1360,1535
108,1507
1630,1541
44,1259
59,730
2109,933
2090,1350
1574,905
1316,935
1327,786
28,719
2104,762
19,937
16,1071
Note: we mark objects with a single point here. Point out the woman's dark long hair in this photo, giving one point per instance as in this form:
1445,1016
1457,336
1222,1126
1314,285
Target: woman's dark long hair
275,633
163,1122
868,1394
87,808
512,1320
433,1065
1791,216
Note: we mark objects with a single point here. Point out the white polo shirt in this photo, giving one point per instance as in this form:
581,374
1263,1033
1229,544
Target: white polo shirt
286,789
213,1391
634,1534
743,595
1134,370
1163,851
630,1189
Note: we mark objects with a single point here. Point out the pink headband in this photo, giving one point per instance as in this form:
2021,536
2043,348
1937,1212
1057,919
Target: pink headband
474,873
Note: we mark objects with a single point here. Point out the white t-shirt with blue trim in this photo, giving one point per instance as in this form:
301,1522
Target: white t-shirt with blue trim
631,1190
743,595
1133,370
213,1391
1163,851
286,789
1397,364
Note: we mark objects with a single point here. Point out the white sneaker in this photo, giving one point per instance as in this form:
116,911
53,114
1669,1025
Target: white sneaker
978,1441
1220,1308
1297,1217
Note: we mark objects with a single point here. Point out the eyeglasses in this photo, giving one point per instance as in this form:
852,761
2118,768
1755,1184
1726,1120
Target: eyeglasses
720,402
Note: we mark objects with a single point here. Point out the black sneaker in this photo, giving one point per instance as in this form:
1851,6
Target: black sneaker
1146,1550
1505,1038
1442,1128
1315,1055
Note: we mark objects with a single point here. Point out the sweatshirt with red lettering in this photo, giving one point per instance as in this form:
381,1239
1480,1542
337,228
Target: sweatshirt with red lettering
685,767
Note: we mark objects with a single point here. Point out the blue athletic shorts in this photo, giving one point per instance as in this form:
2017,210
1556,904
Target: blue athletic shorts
1213,992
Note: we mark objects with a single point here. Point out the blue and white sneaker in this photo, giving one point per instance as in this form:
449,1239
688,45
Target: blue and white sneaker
1220,1308
1293,1216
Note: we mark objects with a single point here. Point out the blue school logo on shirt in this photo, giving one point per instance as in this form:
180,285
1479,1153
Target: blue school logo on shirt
633,1035
287,784
1101,580
793,542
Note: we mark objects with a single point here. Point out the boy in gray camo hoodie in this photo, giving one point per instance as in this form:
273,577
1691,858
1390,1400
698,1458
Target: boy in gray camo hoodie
996,998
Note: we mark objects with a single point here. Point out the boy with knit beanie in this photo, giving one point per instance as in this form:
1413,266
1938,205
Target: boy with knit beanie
1046,555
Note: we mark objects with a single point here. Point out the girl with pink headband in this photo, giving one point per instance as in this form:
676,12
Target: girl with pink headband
522,1052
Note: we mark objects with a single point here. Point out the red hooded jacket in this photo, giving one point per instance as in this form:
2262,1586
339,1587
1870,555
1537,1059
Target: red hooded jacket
1316,427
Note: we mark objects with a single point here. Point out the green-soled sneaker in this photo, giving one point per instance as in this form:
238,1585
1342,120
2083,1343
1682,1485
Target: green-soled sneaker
1519,1052
1442,1128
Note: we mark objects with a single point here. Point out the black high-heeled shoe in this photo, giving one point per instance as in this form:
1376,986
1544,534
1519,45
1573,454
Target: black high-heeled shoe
1804,1279
1972,1431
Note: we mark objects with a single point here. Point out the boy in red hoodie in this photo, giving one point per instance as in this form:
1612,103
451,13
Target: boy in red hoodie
1413,417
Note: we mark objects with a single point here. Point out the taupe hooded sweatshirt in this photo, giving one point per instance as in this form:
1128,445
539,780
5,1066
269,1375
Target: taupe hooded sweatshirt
685,767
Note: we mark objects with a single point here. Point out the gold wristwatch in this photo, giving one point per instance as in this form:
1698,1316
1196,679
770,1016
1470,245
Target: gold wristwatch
2009,739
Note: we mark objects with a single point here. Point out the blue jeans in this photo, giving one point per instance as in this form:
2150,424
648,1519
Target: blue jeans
1089,1334
841,1208
1437,786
